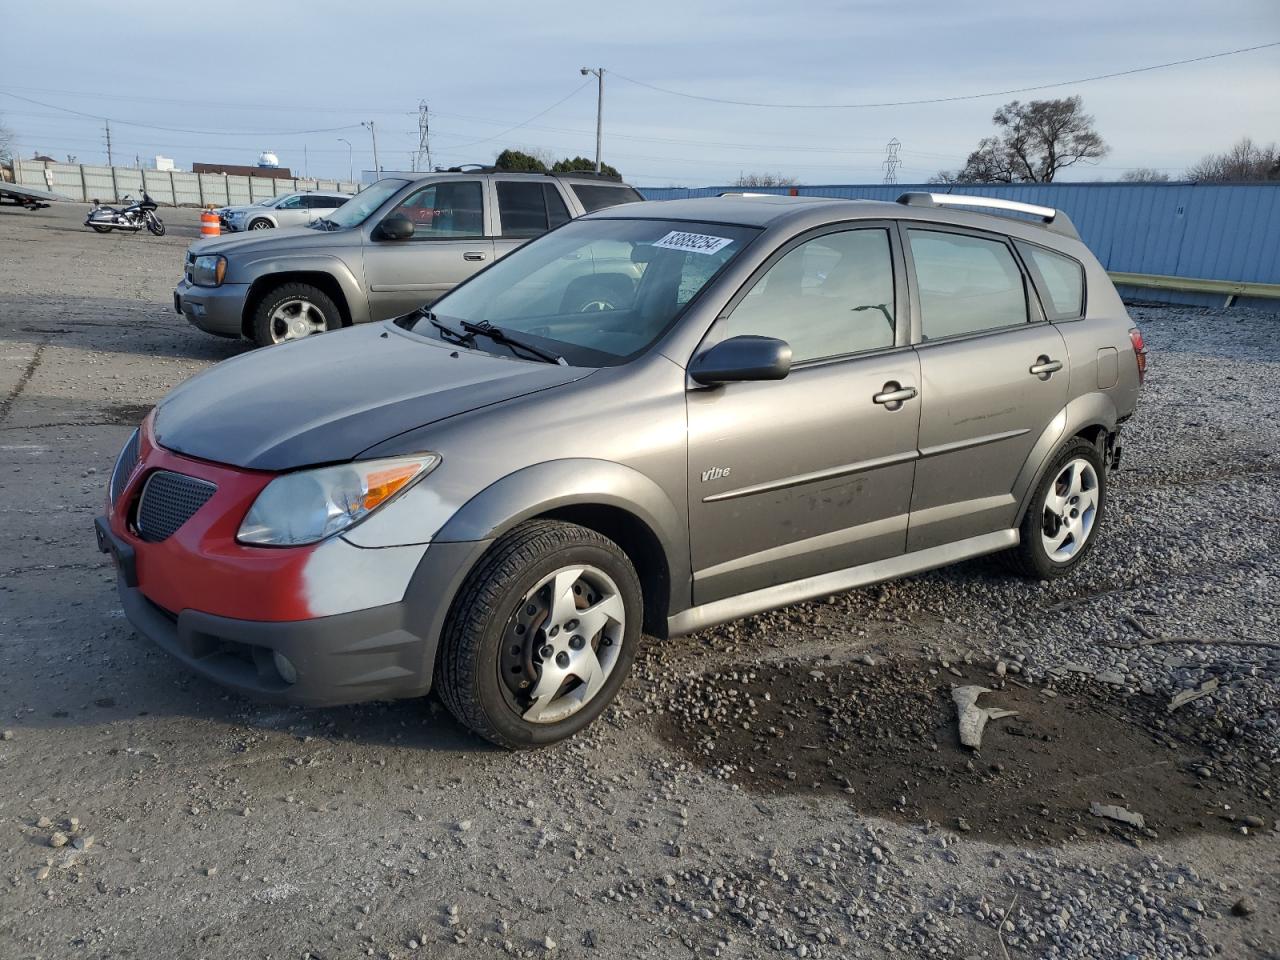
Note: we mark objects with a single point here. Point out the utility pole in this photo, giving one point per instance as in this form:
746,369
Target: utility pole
599,75
351,170
424,143
108,126
374,134
891,161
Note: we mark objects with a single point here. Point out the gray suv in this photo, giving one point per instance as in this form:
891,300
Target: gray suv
397,245
768,399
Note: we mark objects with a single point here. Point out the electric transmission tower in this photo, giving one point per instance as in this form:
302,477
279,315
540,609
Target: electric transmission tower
424,143
891,161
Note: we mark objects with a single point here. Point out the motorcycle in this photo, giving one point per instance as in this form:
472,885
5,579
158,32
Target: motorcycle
103,218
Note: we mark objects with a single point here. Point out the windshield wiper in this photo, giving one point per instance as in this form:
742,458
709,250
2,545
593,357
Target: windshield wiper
454,334
498,335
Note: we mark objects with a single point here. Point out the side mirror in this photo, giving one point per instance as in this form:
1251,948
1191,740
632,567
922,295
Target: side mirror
396,227
742,358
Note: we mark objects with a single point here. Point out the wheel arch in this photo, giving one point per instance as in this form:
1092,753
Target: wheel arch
1092,416
261,287
616,501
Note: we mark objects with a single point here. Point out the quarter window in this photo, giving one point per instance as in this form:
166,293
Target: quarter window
967,284
830,296
452,209
1061,281
597,196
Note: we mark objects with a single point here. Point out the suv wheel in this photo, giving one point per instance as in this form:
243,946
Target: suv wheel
541,635
1062,522
292,311
261,224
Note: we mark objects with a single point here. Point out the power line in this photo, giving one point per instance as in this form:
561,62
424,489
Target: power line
952,99
496,136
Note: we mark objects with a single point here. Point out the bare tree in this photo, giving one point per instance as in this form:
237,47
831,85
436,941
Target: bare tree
1033,142
1245,161
6,143
1144,175
764,180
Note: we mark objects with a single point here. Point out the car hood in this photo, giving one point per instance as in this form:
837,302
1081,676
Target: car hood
266,241
330,397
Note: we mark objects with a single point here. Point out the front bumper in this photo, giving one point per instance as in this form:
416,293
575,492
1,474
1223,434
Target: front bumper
216,310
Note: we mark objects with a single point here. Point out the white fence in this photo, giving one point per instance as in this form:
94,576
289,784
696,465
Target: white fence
81,181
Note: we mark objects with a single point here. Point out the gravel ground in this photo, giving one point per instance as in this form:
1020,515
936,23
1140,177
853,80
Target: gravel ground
788,785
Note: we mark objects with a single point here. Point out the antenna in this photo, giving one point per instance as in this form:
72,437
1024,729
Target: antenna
891,161
423,159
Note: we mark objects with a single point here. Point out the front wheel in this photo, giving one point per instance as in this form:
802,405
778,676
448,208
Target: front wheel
541,635
292,311
1062,523
155,225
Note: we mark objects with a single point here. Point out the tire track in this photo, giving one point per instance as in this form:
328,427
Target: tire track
6,405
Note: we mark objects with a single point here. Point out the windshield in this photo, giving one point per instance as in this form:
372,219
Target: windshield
357,210
598,292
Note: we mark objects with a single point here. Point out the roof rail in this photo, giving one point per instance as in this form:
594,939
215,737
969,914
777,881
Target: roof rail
613,178
1053,220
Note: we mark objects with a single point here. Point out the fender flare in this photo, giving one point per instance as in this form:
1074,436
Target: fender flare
271,264
557,484
1094,409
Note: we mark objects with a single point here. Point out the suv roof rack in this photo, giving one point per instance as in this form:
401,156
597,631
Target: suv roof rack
1053,220
613,178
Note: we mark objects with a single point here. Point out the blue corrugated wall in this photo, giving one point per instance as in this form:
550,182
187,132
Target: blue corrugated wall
1210,231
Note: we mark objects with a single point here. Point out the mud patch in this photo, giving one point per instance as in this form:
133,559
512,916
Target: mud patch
884,738
126,414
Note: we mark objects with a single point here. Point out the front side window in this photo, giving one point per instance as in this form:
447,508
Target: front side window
291,203
360,207
967,284
597,292
597,196
1061,281
829,296
449,210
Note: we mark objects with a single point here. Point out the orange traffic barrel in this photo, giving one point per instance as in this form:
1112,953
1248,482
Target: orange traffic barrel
209,226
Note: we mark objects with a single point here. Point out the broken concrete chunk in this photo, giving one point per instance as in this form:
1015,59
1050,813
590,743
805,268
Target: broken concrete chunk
1119,814
973,718
1183,697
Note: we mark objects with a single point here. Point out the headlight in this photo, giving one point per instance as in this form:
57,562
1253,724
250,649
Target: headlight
208,271
306,507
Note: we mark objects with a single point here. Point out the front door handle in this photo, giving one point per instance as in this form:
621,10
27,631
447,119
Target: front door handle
476,255
894,395
1044,368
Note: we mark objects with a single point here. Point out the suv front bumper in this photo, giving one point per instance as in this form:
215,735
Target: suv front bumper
216,310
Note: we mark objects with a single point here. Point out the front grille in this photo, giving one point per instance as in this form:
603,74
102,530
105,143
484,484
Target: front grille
168,501
125,463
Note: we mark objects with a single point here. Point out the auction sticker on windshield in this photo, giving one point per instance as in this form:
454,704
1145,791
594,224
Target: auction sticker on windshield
692,242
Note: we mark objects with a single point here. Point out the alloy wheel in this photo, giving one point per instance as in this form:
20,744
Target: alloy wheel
562,643
295,319
1070,509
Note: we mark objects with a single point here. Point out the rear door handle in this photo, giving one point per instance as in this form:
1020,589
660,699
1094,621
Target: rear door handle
476,255
1044,368
894,395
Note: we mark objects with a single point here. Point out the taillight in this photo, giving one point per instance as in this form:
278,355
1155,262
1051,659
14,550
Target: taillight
1139,353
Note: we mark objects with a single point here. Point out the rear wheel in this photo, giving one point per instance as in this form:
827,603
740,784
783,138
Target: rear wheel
292,311
541,635
99,229
1062,523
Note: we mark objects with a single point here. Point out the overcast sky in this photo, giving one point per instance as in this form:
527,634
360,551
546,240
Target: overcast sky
233,78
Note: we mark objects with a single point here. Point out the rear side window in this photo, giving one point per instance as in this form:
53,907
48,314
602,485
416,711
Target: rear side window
597,196
523,208
557,212
967,284
1061,281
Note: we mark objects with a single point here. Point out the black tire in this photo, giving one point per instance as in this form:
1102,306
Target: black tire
260,224
156,226
98,229
1030,558
291,291
474,636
